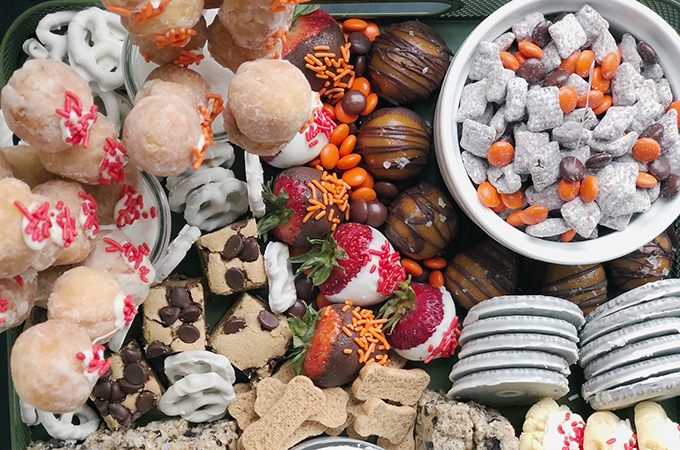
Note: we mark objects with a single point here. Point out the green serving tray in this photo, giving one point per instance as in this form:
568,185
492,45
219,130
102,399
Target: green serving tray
453,20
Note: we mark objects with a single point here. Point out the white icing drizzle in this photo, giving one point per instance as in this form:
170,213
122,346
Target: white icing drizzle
34,49
282,294
119,311
560,431
66,131
28,239
255,182
92,376
198,397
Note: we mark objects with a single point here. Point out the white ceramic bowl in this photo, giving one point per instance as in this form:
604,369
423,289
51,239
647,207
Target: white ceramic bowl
623,16
335,443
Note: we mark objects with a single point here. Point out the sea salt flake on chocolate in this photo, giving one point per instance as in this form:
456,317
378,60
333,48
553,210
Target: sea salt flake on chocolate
604,45
625,83
614,123
669,121
551,57
568,35
525,27
582,217
548,197
486,59
549,227
497,83
498,122
622,145
516,99
543,108
504,179
618,223
616,186
663,90
592,22
629,53
652,71
526,143
544,166
472,101
477,138
475,167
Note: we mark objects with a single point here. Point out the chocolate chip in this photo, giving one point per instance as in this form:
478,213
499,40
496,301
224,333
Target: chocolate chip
268,321
135,373
251,373
660,168
130,355
119,412
271,362
39,315
377,214
532,70
145,401
157,348
654,131
116,392
178,296
188,333
102,406
107,374
361,44
354,102
598,161
251,250
235,278
238,226
540,34
191,313
558,77
386,191
298,309
305,289
358,210
232,248
233,324
168,314
671,186
647,53
102,390
127,387
360,64
572,168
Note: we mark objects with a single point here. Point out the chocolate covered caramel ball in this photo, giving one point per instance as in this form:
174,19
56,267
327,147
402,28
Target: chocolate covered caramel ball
394,144
422,221
408,62
651,262
480,272
585,285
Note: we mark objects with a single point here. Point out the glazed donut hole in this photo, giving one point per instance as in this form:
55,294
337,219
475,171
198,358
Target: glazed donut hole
20,295
33,94
148,46
107,195
181,75
224,49
250,23
178,14
46,372
87,297
194,97
26,165
5,167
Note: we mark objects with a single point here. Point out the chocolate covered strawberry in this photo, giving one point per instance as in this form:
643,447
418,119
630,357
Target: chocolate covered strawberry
356,263
304,203
422,323
331,346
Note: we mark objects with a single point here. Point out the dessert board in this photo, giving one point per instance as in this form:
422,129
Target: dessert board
453,27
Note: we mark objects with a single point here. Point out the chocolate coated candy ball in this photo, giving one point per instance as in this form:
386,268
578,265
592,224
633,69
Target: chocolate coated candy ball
422,222
480,272
394,144
358,210
585,285
408,62
652,262
354,102
361,44
376,214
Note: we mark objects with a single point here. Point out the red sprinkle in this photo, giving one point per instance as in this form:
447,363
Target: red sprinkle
448,344
130,310
113,163
97,362
38,221
67,223
80,129
390,272
89,208
19,280
132,254
611,441
322,122
3,304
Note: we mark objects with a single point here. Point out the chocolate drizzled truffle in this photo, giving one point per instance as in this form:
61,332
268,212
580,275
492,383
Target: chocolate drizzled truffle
421,222
408,62
394,144
651,262
585,285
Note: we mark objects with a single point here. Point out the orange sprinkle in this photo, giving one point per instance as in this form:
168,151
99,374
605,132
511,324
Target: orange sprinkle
175,38
345,329
321,47
347,351
188,58
119,10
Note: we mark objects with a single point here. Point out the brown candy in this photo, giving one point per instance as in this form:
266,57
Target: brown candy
394,144
585,285
354,102
532,70
652,262
422,221
558,77
377,214
480,272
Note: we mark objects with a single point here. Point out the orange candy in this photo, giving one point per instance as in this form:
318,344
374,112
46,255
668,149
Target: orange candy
372,30
354,25
499,208
322,301
534,214
500,153
604,106
436,278
568,235
329,156
515,219
645,180
347,145
568,190
593,100
412,267
330,108
354,177
436,262
349,161
530,50
589,189
569,64
343,116
609,65
339,134
583,62
315,162
676,106
362,84
371,103
509,61
520,57
568,98
369,183
599,82
514,200
488,195
364,193
646,149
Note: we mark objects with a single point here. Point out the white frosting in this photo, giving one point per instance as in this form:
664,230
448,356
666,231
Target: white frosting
57,231
28,239
119,311
5,133
422,351
670,435
143,229
112,156
89,356
562,420
282,294
73,118
362,290
155,3
298,152
255,181
82,220
176,252
57,44
622,435
63,428
188,362
198,397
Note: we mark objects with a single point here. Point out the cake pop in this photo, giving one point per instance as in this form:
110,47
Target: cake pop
170,47
178,15
55,366
224,49
26,165
251,23
17,295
